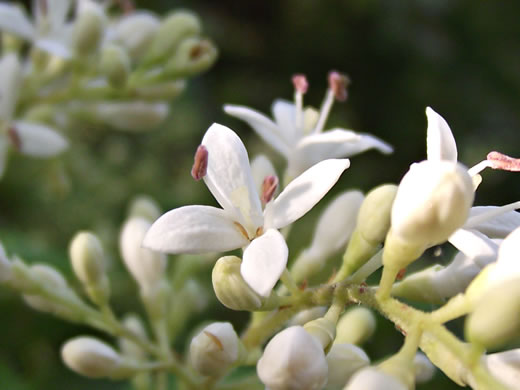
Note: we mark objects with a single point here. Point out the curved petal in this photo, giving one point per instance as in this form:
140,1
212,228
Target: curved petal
264,261
440,143
37,140
284,114
265,127
229,176
194,229
494,221
304,192
13,20
475,245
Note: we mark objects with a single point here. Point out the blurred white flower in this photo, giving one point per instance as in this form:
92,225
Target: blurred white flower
241,223
297,133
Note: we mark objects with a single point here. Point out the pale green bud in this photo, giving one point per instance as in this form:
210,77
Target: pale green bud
193,55
167,90
323,329
115,65
371,378
495,320
146,207
356,326
135,32
505,366
343,361
88,27
129,116
172,30
293,360
5,266
424,369
93,358
373,221
230,287
215,349
308,315
88,262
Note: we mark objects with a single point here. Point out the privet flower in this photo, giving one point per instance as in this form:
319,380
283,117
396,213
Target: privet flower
297,133
356,326
371,378
215,349
343,361
505,366
241,223
293,360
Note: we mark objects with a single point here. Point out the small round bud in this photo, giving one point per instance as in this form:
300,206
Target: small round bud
115,65
215,349
293,360
92,358
371,378
145,207
172,30
230,287
88,27
424,369
87,258
135,31
193,55
356,326
373,221
323,329
308,315
343,361
129,116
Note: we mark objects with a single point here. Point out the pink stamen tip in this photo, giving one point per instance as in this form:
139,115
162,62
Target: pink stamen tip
300,83
15,139
338,83
269,186
44,7
200,163
503,162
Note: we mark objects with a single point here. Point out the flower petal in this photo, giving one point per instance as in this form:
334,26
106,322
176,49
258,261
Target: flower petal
194,229
475,245
440,143
58,11
494,221
265,127
335,143
261,167
229,176
39,140
304,192
56,47
284,113
10,82
13,20
264,261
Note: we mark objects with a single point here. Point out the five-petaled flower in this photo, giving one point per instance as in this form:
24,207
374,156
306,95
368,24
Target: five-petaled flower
241,223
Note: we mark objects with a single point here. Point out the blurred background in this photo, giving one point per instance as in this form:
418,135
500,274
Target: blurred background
460,57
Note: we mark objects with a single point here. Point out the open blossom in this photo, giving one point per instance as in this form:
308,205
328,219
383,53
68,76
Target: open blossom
297,133
241,223
29,138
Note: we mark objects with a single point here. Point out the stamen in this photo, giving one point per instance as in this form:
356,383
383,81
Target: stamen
300,86
476,169
215,339
15,139
503,162
242,230
269,186
44,7
338,83
259,231
127,6
200,163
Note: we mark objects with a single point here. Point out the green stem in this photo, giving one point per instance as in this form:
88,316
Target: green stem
457,306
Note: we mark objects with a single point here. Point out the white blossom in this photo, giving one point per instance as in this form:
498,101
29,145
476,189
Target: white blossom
241,223
505,366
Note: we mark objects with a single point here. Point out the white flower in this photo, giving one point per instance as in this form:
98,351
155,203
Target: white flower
297,133
371,378
293,360
49,31
505,366
241,223
29,138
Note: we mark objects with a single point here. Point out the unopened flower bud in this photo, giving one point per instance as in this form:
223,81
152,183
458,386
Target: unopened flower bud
371,378
323,329
145,207
424,369
172,30
356,326
193,55
230,287
135,31
5,266
505,366
129,348
215,349
130,116
36,140
308,315
343,361
93,358
293,360
88,27
146,266
87,258
115,65
495,320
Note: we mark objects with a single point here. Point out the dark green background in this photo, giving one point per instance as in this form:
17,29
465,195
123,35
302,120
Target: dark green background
460,57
